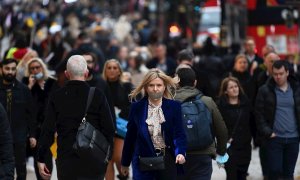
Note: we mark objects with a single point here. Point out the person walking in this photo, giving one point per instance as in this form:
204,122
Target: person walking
41,84
17,101
6,148
112,73
277,111
235,108
154,130
65,111
199,161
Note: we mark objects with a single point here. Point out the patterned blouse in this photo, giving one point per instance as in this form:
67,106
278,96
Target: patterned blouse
154,121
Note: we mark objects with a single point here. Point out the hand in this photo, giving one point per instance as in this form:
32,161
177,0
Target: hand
31,81
43,170
41,84
180,159
125,170
32,142
273,135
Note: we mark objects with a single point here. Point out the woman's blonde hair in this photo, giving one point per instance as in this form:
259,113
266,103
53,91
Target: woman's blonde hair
43,66
105,66
152,74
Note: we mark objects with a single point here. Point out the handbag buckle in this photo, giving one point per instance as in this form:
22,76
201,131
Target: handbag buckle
160,151
83,120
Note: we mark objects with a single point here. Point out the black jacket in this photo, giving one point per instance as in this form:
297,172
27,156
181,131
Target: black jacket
265,106
65,111
22,115
239,116
120,92
40,98
6,148
100,83
237,120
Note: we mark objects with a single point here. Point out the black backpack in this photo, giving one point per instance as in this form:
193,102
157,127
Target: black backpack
197,121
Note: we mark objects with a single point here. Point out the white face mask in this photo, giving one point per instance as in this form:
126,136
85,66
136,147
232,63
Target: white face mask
156,96
39,76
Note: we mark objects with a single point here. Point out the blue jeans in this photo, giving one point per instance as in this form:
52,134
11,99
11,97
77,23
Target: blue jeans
282,154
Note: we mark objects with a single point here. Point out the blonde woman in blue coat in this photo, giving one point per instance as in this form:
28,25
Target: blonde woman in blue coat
154,129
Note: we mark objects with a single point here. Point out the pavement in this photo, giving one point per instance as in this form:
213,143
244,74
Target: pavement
218,174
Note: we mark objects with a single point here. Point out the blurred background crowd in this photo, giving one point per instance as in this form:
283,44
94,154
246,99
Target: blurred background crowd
234,37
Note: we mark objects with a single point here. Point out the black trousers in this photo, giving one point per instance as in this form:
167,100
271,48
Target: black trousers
20,160
170,171
238,163
72,168
197,167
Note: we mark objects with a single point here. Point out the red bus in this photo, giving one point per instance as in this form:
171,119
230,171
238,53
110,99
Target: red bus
270,22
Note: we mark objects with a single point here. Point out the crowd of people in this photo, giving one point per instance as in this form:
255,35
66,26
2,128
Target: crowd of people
57,52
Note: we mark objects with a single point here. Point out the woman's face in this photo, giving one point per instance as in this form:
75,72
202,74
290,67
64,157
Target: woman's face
112,71
35,68
131,62
241,65
155,88
232,89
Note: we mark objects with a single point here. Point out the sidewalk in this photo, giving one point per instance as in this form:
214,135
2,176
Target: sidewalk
218,174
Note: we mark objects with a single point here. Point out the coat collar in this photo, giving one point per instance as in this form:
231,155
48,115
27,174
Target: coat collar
15,85
142,109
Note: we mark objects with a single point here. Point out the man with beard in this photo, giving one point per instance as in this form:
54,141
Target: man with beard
95,80
17,101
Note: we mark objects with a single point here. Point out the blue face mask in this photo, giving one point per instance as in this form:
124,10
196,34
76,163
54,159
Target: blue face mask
39,76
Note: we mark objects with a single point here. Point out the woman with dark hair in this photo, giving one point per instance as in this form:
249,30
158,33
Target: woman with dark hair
235,109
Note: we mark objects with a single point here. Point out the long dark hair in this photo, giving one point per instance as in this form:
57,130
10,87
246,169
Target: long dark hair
224,86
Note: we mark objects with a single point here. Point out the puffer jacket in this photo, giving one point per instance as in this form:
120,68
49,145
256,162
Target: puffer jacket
219,127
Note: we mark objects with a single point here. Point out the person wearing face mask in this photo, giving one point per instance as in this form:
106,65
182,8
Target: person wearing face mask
120,90
235,109
41,85
155,129
17,101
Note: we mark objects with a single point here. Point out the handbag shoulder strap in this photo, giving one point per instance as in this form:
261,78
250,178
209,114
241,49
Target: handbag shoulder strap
89,100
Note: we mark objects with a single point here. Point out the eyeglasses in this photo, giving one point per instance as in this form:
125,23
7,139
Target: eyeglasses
112,68
89,62
34,67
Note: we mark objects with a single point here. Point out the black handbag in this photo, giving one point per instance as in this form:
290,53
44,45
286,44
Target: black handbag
152,163
91,145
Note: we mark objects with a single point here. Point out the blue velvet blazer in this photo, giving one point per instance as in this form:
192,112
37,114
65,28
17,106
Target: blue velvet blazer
138,141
